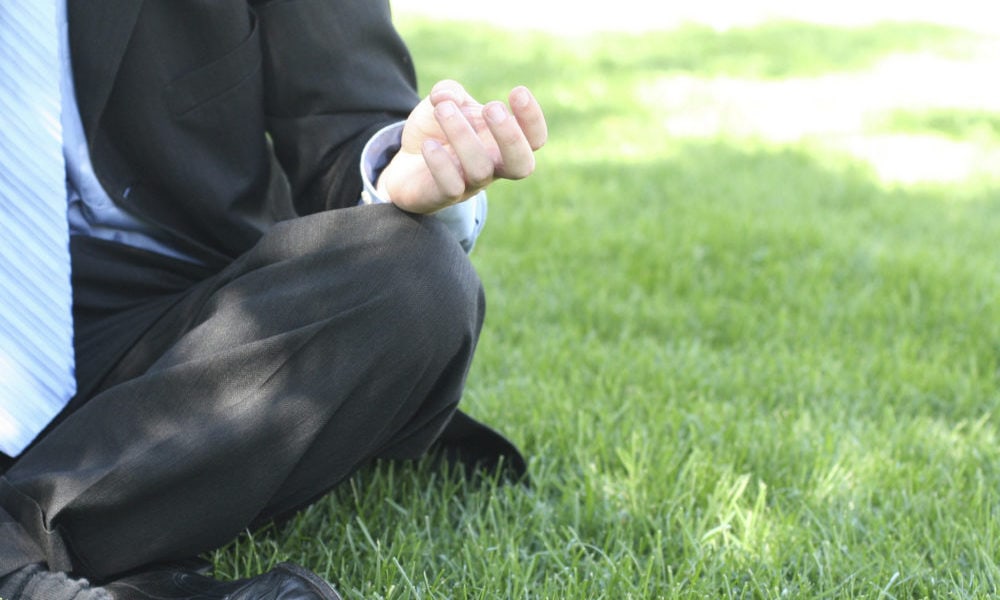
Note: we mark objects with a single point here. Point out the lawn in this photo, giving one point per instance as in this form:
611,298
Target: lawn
740,367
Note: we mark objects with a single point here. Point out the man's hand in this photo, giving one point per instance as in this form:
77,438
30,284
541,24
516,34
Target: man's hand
453,147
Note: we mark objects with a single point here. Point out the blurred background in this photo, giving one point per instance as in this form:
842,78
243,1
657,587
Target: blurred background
858,111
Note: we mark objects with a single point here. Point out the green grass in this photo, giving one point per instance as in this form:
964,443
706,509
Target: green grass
740,370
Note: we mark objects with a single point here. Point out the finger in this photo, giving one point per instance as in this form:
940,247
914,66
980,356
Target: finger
530,116
517,157
445,170
449,89
476,162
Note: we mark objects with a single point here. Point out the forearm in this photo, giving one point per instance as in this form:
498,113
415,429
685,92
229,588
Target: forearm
334,73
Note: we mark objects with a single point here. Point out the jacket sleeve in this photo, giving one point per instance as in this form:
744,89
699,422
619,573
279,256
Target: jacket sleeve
335,72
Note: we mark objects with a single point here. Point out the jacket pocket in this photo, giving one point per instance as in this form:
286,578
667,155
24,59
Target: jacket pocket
218,77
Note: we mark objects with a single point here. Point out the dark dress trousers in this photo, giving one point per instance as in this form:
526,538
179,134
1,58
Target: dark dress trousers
311,336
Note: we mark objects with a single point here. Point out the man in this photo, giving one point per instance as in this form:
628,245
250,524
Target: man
246,335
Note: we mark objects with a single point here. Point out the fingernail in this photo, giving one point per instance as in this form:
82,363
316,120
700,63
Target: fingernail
442,96
521,97
495,112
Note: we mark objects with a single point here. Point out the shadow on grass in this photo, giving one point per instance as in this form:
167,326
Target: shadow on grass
365,515
735,249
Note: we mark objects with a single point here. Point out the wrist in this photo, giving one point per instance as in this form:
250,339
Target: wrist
381,189
375,159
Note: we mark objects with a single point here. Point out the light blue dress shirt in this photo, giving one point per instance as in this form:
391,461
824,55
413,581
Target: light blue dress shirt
91,211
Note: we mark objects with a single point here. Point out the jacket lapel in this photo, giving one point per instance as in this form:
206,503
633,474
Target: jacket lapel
99,31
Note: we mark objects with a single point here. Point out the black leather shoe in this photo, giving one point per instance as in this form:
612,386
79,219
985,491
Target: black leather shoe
286,581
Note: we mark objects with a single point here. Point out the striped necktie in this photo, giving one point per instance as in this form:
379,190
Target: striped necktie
36,327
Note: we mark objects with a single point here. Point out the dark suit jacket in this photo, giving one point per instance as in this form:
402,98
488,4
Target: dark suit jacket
216,118
213,120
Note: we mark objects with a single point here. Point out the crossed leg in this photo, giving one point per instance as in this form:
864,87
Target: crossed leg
338,338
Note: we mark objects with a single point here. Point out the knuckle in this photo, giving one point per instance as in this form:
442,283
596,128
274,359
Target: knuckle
524,169
447,195
479,175
509,136
451,189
